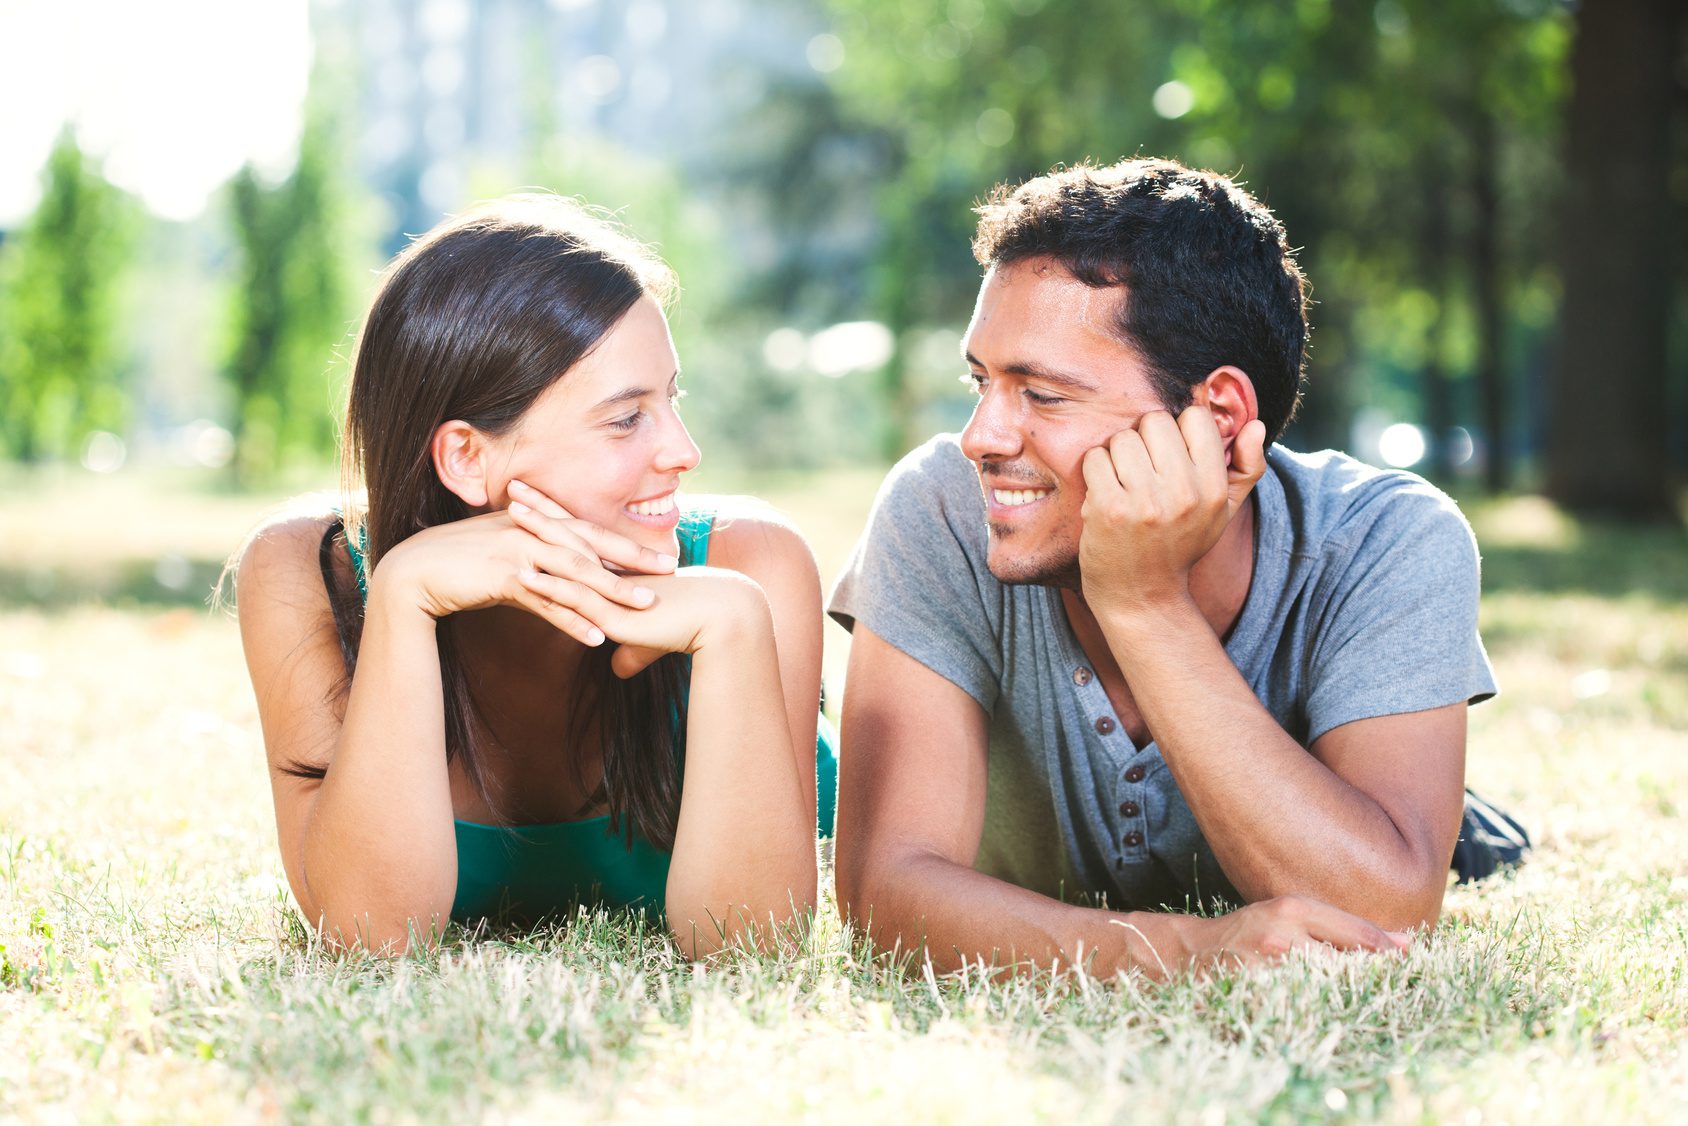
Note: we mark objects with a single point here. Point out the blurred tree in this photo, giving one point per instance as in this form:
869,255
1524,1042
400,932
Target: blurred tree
1379,133
1607,445
62,368
290,306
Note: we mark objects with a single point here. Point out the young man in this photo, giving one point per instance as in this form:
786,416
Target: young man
1115,645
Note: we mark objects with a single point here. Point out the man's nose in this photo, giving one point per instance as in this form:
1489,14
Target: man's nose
994,430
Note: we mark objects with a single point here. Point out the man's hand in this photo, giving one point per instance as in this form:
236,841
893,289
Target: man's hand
1272,928
1158,499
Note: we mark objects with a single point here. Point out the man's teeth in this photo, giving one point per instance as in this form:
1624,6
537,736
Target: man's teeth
1016,497
656,507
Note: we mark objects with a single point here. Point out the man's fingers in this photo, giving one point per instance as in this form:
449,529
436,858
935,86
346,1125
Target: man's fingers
1207,448
1101,483
1131,462
1338,928
1163,443
1248,462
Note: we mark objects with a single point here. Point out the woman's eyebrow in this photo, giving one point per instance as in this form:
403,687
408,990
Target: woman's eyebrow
632,394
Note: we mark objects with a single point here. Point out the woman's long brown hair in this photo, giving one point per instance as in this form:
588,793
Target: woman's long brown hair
474,321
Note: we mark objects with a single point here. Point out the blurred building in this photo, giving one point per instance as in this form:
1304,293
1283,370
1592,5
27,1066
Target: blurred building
445,86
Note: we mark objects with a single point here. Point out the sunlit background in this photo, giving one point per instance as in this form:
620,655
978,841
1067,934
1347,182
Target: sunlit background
195,197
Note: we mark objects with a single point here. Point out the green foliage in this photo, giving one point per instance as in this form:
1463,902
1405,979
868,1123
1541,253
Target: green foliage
290,306
1365,127
63,366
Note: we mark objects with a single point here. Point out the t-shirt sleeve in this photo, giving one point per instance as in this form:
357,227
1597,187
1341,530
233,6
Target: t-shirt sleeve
1399,629
917,576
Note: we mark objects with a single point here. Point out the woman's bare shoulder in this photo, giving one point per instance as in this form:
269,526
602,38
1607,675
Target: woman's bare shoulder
281,555
750,535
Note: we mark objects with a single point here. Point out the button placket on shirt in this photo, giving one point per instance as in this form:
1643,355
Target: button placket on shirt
1132,836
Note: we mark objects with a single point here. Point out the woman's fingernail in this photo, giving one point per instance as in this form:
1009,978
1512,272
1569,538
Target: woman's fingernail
518,507
514,484
595,636
644,595
667,561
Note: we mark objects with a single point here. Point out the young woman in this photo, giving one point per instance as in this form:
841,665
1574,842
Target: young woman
508,681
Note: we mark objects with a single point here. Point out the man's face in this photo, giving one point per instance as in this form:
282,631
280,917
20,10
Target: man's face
1053,382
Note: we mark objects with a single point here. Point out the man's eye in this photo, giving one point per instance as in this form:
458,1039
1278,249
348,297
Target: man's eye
974,380
1043,400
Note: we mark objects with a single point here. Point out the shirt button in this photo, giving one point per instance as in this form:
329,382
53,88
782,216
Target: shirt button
1135,774
1130,808
1133,839
1104,725
1081,676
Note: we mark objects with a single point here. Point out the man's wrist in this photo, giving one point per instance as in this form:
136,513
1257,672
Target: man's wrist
1144,620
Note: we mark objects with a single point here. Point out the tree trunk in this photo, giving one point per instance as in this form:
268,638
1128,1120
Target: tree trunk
1607,452
1490,298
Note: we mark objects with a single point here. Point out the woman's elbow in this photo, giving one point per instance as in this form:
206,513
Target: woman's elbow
775,927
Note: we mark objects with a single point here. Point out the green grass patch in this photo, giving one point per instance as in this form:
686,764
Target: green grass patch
150,966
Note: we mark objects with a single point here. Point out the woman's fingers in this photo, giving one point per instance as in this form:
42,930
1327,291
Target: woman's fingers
631,660
562,617
525,493
583,568
602,615
608,546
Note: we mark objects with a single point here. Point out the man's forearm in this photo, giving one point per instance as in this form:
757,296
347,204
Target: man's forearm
961,915
1279,821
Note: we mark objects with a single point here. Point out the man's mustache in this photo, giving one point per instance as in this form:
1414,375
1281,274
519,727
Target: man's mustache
1010,472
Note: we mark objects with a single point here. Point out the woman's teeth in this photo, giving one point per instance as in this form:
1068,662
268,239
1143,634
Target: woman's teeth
657,507
1013,498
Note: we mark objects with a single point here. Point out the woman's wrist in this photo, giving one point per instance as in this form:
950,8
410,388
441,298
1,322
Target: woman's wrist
392,596
739,615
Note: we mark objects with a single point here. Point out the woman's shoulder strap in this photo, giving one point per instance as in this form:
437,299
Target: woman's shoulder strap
697,520
357,549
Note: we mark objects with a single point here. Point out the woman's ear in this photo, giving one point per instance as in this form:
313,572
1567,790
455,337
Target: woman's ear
1228,393
459,453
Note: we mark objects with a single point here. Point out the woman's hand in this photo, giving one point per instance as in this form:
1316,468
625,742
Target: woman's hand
480,561
684,611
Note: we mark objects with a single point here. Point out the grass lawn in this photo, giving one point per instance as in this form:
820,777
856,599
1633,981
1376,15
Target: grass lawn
150,967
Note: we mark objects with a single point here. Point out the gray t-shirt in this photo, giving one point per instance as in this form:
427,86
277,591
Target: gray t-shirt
1363,603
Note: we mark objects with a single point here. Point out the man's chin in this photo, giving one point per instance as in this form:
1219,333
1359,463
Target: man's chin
1019,569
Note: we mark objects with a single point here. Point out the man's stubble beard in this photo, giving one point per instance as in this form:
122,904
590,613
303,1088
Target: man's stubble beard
1057,566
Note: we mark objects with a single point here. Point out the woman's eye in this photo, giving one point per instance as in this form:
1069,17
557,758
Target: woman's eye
627,423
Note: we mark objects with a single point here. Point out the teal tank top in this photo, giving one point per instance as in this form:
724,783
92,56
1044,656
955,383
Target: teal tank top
537,870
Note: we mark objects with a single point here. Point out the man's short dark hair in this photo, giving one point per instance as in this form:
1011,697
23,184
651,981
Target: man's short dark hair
1209,276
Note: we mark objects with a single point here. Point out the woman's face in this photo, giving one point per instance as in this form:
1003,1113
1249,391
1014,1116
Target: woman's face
605,441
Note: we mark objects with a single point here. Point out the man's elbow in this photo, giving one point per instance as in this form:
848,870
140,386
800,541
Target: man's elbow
1405,896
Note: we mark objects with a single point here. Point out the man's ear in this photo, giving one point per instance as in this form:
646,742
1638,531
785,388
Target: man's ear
459,452
1228,393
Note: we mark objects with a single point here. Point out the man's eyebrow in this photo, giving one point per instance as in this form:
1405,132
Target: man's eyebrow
630,394
1031,369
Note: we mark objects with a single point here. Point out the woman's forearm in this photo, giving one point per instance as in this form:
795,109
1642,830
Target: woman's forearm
379,851
744,855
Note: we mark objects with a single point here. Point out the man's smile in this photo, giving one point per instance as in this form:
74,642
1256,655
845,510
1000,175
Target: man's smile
1016,498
